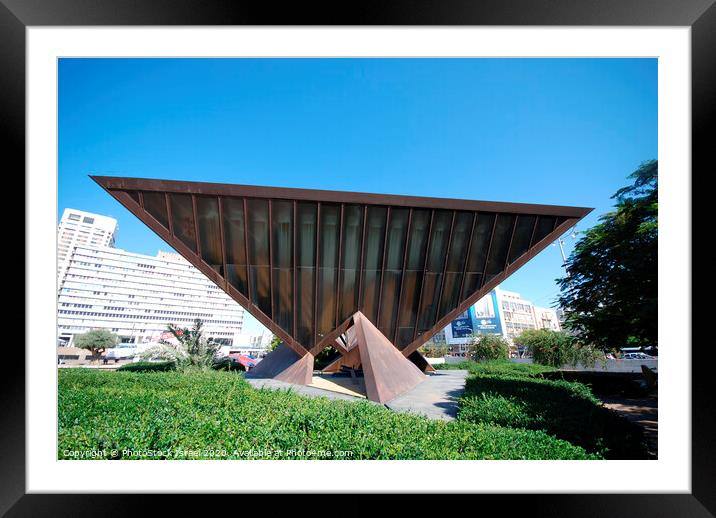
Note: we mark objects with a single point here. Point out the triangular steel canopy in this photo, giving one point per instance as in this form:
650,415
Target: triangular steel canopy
303,262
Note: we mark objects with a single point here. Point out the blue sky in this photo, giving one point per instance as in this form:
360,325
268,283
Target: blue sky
553,131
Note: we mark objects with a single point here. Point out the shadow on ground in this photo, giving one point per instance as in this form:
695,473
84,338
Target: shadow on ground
436,397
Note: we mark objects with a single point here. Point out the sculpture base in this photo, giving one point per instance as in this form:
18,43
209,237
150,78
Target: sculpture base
386,371
350,360
284,364
420,362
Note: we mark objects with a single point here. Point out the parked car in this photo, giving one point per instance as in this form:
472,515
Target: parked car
637,356
155,359
246,361
121,352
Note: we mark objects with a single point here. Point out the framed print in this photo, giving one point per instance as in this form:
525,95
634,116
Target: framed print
315,174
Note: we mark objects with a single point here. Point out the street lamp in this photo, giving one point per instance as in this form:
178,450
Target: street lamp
560,241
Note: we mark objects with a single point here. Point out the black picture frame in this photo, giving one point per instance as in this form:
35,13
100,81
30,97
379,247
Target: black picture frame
700,15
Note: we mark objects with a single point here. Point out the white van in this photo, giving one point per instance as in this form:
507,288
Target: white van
121,352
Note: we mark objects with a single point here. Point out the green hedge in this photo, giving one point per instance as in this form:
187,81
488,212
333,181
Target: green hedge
499,368
627,384
148,366
181,414
564,409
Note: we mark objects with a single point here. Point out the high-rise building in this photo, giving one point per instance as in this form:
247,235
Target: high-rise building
78,227
135,296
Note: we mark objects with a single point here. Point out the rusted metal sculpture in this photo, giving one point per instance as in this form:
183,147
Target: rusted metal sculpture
326,268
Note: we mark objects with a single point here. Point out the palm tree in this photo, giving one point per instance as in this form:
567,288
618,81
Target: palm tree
192,349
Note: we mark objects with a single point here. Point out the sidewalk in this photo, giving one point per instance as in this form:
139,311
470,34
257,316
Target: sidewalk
435,398
642,411
303,390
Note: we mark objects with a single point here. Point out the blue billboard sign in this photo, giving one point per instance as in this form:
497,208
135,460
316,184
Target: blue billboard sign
487,315
462,325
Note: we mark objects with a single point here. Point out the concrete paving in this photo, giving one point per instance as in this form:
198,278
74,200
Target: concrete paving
343,384
304,390
435,398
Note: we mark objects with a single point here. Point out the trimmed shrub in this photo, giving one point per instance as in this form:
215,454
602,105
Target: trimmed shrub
500,368
561,408
496,410
197,415
489,347
628,384
148,367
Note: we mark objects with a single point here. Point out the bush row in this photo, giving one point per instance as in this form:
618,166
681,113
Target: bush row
500,368
148,367
628,384
561,408
207,412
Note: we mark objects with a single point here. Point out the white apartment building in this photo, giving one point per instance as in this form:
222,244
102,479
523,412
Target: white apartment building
547,318
518,314
78,227
135,296
499,312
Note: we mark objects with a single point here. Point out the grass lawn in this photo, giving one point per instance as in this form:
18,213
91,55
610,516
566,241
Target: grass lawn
207,415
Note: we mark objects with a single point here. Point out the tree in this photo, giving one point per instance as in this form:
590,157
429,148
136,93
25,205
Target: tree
431,349
610,292
324,357
489,347
191,350
275,342
96,340
557,348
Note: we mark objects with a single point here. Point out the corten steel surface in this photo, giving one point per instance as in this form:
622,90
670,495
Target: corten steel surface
303,262
285,365
349,359
420,362
387,373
